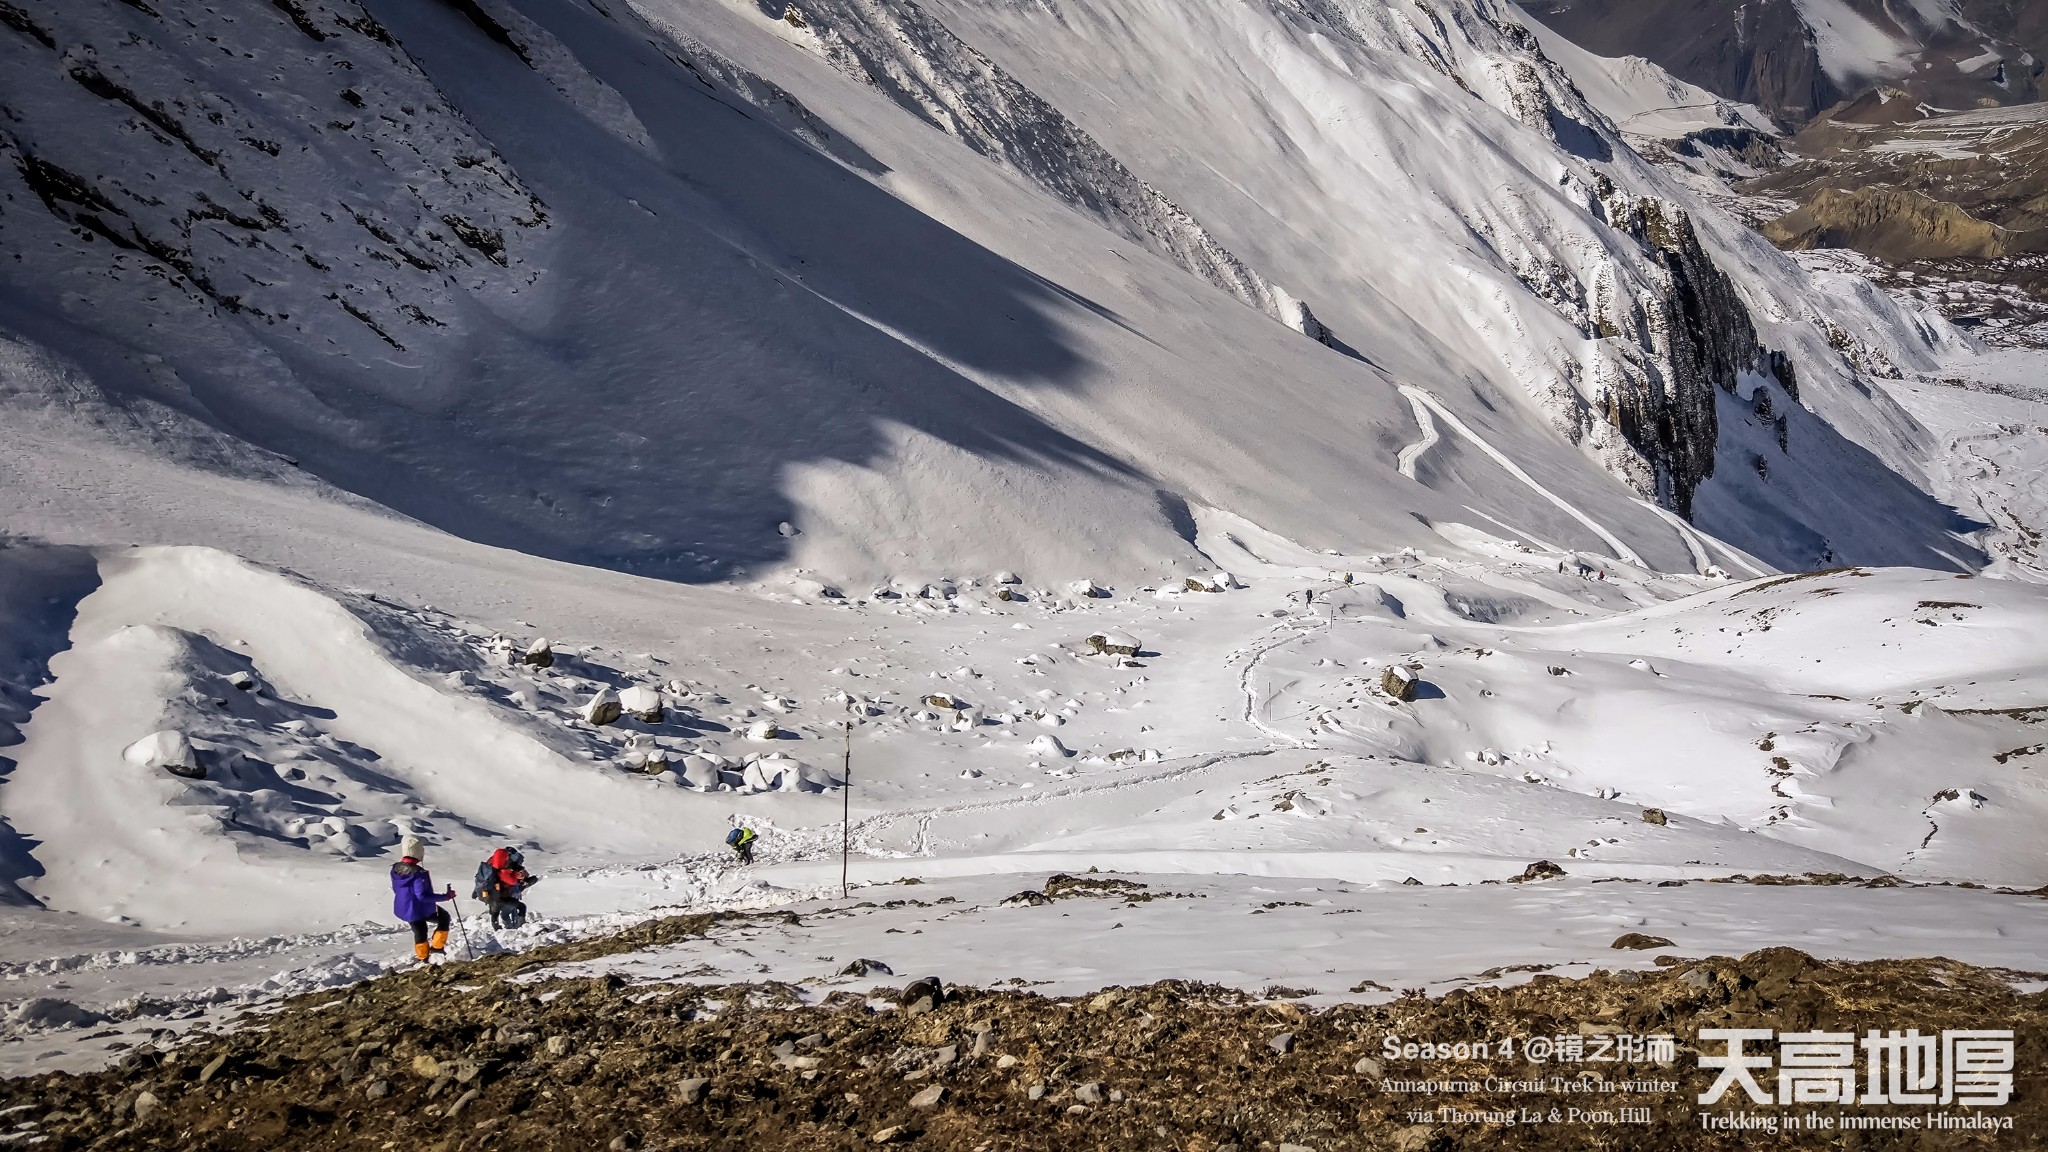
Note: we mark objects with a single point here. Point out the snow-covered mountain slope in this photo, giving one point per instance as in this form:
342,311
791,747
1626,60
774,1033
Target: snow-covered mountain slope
1796,58
1643,100
635,284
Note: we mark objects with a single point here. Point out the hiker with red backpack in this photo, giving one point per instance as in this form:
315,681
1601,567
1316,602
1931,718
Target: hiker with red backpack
501,881
415,902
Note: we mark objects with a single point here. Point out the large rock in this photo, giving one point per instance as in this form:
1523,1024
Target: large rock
48,1012
922,995
642,703
1639,942
811,589
539,655
168,750
1540,870
1399,682
603,708
1048,745
700,771
1113,644
651,759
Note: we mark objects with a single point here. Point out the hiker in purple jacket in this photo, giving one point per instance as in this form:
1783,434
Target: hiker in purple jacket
415,901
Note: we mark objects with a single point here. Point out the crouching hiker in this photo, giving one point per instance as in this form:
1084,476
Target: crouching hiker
501,882
741,840
415,902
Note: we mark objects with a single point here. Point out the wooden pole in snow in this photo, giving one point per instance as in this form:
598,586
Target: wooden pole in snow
846,808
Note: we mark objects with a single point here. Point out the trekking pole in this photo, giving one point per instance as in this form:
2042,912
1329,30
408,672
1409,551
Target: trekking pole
457,905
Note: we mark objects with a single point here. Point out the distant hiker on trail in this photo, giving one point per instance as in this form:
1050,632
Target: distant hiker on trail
742,843
501,883
414,901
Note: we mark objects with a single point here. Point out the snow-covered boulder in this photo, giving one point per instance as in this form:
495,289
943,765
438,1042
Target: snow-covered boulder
779,773
168,750
944,700
1006,578
763,730
1047,745
649,759
1199,584
48,1012
810,589
700,771
539,654
763,775
603,708
642,703
1113,644
1088,589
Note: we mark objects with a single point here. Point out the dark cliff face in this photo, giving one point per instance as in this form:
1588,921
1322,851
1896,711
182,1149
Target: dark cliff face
1701,338
1763,52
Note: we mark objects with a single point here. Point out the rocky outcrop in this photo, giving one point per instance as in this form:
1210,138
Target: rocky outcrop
1894,225
1668,352
1751,147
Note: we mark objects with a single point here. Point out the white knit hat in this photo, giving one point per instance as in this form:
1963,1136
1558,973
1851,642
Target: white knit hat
413,847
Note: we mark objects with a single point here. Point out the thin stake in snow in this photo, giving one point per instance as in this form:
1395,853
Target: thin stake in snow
846,807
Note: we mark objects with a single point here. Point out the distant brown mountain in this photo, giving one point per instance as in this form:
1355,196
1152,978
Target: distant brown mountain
1797,58
1961,193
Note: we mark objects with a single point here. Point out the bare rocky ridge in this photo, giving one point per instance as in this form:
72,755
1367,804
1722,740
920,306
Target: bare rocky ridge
494,1054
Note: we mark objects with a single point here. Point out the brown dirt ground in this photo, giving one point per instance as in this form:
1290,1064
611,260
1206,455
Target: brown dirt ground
456,1058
